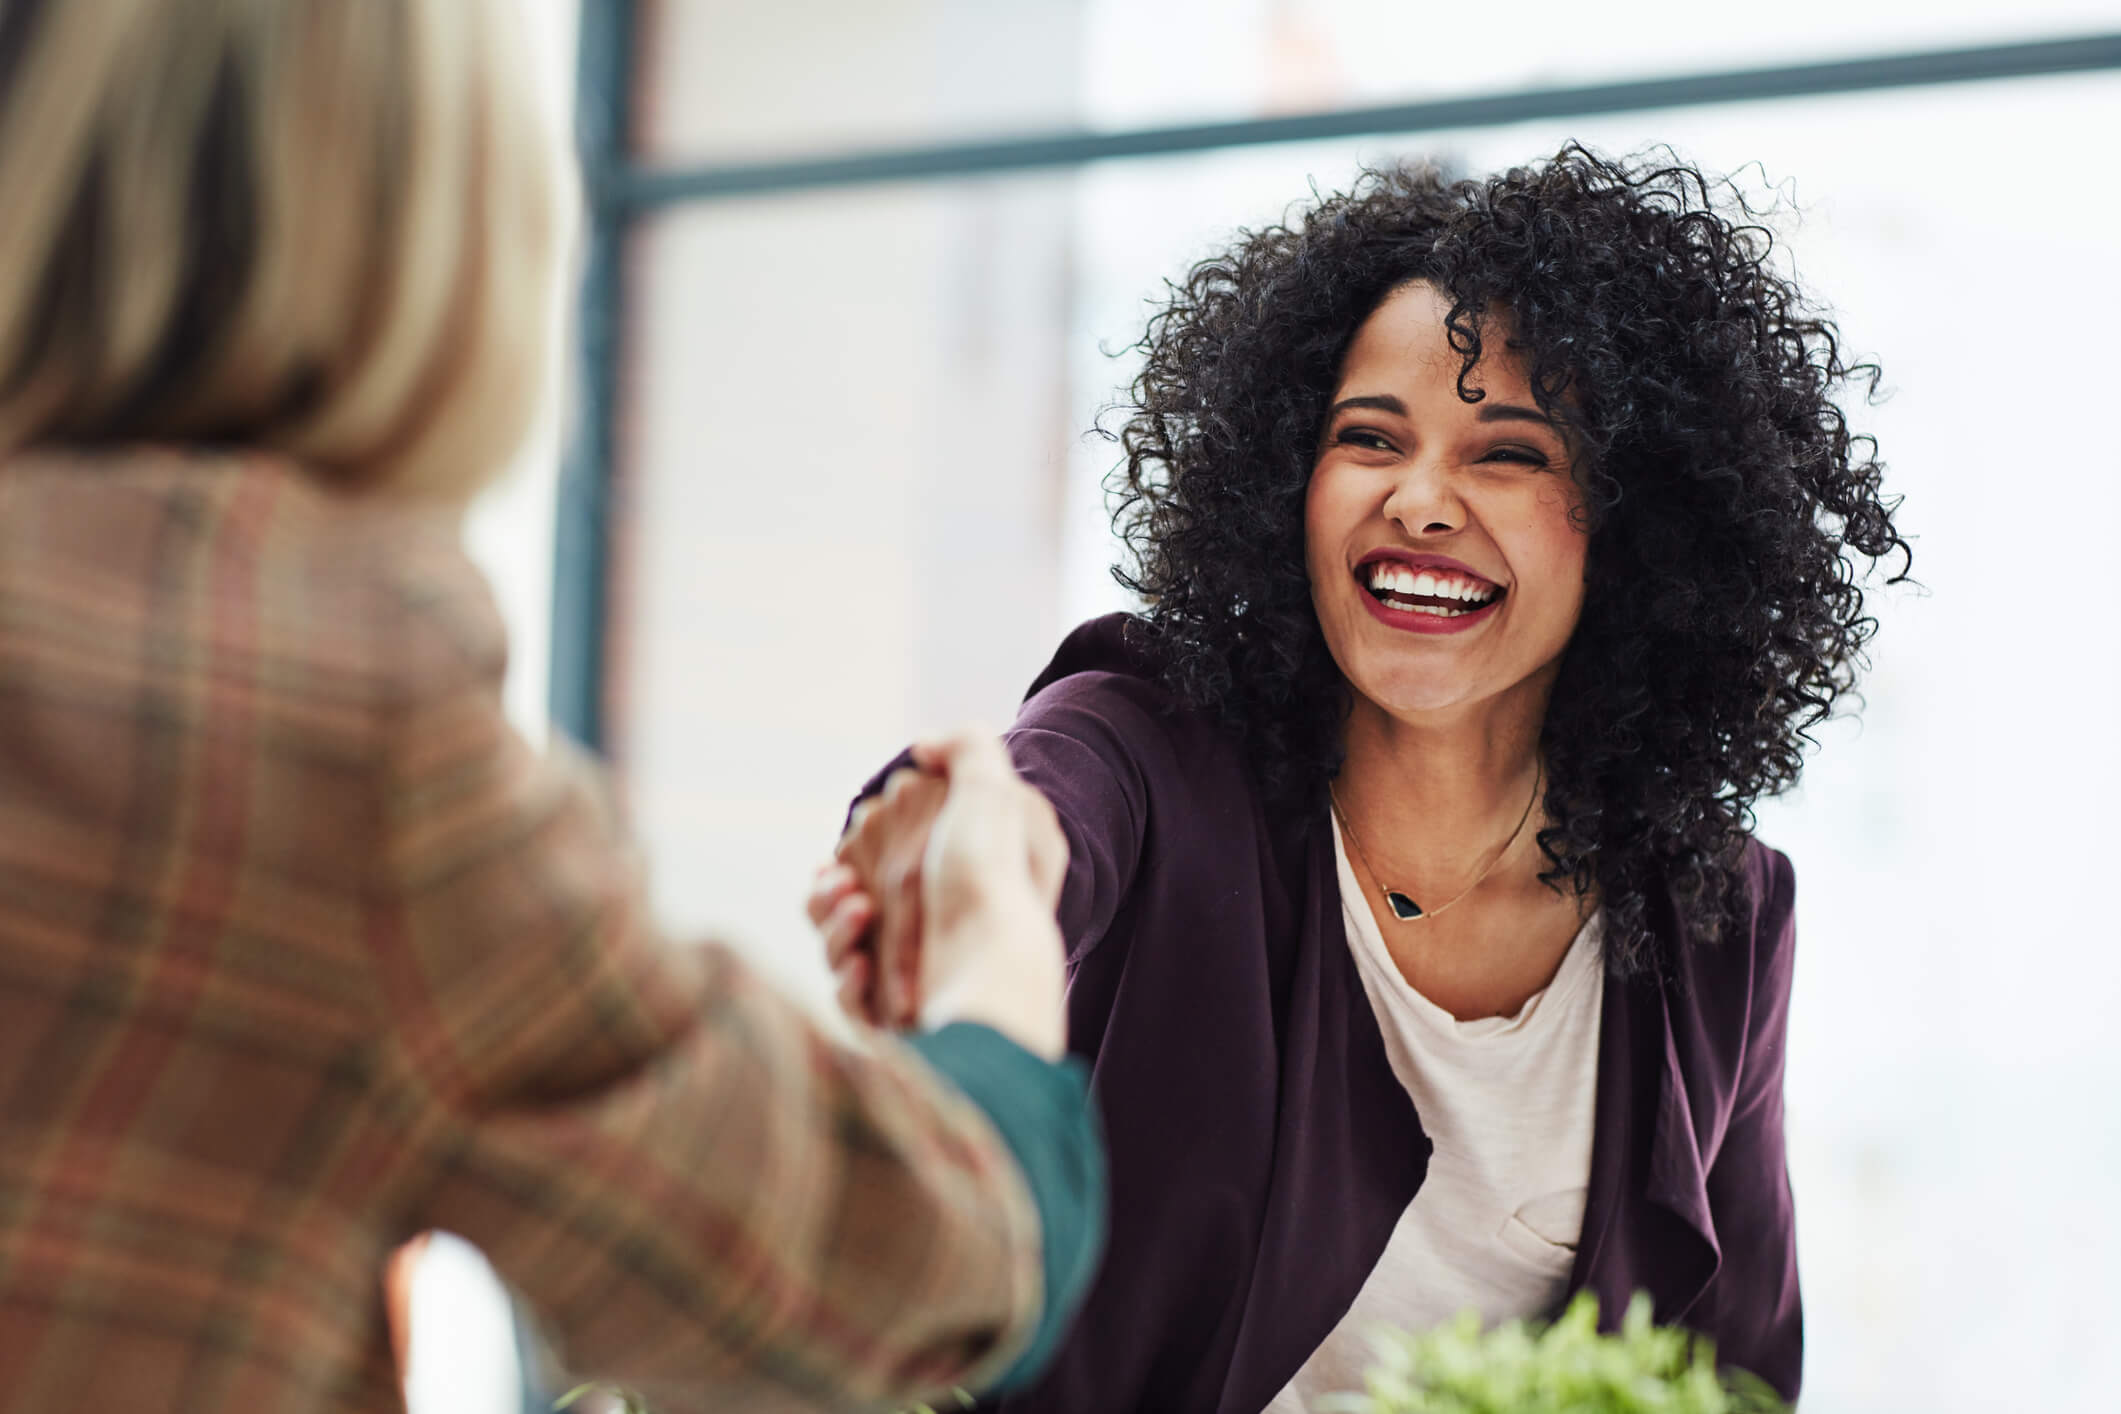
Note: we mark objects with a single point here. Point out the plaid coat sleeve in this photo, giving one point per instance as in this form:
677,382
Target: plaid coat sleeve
303,950
702,1196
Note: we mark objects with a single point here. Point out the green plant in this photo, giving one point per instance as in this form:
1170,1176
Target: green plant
1567,1367
631,1403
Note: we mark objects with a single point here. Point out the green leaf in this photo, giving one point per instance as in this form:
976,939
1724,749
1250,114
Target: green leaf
1564,1367
629,1402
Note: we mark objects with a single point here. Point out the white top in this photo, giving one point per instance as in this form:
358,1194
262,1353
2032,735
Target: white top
1509,1102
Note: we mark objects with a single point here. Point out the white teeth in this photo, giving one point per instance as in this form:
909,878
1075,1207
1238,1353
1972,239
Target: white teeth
1387,577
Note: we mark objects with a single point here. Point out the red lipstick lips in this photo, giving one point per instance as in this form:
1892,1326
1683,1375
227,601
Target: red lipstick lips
1425,593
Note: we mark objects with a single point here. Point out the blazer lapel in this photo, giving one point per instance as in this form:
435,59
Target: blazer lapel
1647,1225
1349,1155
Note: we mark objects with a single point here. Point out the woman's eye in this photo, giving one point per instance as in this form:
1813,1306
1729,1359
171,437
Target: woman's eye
1522,455
1363,437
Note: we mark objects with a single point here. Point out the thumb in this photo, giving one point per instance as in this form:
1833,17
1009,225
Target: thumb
969,751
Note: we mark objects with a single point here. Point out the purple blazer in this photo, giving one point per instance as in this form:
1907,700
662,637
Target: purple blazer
1261,1148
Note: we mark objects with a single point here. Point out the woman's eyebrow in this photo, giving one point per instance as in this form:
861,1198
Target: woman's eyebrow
1489,411
1383,402
1513,412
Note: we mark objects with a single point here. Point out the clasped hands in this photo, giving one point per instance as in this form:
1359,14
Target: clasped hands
938,905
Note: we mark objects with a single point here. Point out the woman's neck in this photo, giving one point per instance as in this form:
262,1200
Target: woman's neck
1433,798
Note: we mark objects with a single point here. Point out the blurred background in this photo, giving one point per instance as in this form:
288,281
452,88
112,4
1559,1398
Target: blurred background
823,479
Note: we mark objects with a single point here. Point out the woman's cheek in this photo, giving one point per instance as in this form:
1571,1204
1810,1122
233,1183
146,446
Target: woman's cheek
1326,524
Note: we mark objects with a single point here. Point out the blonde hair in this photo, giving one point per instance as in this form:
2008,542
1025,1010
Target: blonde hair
326,228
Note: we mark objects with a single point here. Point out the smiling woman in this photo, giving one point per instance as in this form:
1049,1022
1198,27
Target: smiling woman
1500,540
1695,395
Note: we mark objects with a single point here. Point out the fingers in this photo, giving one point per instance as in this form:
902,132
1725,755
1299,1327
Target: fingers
860,841
873,906
855,818
972,750
898,935
828,886
869,822
898,965
856,992
870,901
846,926
908,996
842,913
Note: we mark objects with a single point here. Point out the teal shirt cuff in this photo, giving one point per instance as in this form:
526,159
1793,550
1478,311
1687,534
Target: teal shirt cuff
1044,1112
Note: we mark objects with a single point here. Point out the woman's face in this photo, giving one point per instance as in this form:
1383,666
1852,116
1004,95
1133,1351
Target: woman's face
1445,560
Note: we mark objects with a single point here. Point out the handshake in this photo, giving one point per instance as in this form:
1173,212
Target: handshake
939,904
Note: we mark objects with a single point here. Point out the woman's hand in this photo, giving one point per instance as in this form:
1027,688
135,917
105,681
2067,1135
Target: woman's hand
867,902
939,906
991,877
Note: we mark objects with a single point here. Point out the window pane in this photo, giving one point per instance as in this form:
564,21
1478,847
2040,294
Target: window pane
846,449
1192,60
730,80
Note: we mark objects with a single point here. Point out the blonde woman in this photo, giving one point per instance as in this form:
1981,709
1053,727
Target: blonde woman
302,951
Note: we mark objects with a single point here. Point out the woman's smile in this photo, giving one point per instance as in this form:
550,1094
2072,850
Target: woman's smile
1426,593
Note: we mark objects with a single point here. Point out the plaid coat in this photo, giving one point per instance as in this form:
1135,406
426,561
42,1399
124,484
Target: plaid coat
303,951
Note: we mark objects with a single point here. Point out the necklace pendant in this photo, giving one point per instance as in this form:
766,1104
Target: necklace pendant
1403,908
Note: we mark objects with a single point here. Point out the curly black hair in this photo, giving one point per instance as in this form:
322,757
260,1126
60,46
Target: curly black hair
1723,612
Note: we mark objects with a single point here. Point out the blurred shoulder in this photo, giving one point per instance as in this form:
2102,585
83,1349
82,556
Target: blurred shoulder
218,556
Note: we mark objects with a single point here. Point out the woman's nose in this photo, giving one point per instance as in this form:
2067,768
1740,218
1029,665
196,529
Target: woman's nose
1425,499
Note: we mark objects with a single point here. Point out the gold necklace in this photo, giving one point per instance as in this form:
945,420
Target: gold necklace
1401,903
